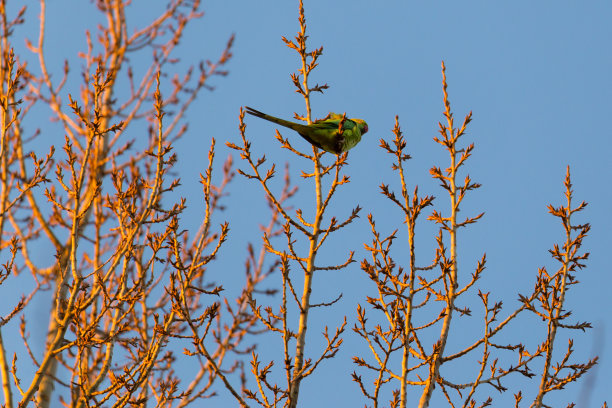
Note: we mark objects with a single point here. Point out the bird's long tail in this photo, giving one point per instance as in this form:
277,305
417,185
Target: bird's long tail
291,125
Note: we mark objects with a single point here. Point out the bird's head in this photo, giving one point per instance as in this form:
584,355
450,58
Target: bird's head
363,126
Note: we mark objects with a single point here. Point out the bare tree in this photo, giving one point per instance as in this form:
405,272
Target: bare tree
128,283
290,328
407,295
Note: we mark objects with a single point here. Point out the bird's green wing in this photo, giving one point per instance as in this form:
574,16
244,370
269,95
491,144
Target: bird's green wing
327,135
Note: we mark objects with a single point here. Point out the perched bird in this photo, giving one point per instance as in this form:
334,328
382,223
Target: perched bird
335,133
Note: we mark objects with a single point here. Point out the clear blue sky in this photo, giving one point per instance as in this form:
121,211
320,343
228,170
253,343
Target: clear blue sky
536,76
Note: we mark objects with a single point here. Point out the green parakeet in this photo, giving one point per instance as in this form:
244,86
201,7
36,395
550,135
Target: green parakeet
325,133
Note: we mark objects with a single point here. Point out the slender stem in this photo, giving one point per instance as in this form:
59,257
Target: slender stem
451,138
557,308
298,368
410,222
4,371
